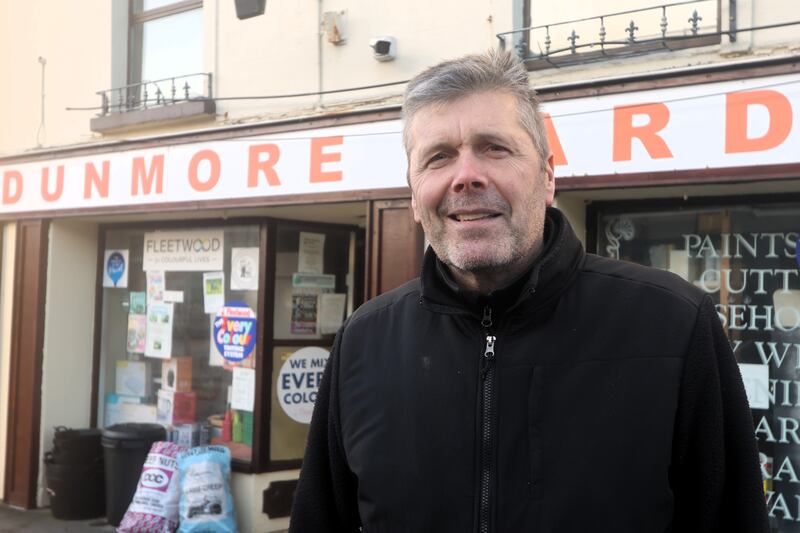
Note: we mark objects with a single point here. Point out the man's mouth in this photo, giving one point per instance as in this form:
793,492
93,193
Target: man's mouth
469,217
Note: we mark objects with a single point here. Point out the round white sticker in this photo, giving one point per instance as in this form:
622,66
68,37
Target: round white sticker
298,382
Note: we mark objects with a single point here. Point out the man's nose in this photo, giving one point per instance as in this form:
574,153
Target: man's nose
469,174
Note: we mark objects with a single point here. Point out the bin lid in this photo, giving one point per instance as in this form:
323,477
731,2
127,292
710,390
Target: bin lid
135,431
64,433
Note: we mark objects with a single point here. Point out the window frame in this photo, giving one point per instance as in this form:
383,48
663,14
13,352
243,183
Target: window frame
136,22
325,341
260,460
237,465
595,209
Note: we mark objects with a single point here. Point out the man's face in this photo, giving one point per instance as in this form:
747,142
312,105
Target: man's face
478,186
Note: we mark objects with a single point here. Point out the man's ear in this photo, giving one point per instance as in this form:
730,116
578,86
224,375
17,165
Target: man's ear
550,179
415,209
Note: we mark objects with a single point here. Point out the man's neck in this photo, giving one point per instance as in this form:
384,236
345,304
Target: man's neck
488,280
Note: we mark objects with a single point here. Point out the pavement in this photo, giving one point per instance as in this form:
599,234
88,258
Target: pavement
42,521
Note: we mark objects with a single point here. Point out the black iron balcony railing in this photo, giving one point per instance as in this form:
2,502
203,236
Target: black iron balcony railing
668,26
158,93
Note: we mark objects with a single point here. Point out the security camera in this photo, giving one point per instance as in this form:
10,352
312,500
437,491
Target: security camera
385,48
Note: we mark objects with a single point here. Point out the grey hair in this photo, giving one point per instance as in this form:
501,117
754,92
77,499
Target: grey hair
493,71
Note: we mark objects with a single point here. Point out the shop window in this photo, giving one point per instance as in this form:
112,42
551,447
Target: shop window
221,333
314,290
746,259
179,339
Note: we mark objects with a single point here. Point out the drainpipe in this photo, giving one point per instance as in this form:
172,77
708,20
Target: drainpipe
319,54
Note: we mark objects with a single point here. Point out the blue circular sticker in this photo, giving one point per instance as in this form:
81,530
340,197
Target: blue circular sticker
235,331
115,267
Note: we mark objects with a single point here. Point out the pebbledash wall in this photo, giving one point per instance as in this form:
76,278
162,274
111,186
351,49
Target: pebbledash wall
713,139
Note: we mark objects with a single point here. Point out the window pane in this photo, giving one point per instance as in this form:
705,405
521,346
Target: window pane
152,4
167,367
312,296
745,258
295,392
172,46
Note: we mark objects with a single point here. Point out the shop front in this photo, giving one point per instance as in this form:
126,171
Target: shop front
197,284
700,175
197,281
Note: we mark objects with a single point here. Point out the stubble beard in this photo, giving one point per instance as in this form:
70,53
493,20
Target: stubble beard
479,254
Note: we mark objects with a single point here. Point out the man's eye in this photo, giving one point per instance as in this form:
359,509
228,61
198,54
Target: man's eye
437,159
497,148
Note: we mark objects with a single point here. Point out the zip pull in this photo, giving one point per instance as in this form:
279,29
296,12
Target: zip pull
488,353
486,321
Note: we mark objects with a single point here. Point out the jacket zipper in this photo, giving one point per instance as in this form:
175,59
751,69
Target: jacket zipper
487,436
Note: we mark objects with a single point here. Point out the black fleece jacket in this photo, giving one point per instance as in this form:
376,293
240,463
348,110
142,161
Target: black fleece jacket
614,405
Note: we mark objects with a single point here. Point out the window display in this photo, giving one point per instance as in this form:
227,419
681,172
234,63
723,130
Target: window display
746,259
177,336
187,312
314,292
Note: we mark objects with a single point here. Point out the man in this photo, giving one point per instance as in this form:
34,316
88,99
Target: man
521,384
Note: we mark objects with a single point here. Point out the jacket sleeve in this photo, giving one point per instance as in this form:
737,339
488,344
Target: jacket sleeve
715,472
325,499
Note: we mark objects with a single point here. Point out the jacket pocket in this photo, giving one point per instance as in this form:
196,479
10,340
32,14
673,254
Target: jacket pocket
535,437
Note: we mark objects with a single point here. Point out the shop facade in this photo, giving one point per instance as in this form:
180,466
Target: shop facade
133,300
697,172
197,280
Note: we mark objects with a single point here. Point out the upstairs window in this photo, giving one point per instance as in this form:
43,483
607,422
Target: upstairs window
166,42
165,78
553,35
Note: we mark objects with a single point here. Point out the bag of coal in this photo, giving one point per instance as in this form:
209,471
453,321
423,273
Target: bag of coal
154,508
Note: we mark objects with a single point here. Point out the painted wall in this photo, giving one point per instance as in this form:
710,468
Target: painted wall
247,496
284,52
75,43
6,306
575,211
68,334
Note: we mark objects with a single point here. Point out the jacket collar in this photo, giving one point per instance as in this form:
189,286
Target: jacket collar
549,275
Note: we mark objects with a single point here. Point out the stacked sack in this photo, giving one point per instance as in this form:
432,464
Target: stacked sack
182,487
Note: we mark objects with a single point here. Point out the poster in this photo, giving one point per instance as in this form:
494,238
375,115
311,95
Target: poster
115,269
310,256
213,291
331,312
137,331
244,269
298,382
183,250
159,330
235,331
243,390
155,286
304,314
138,303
